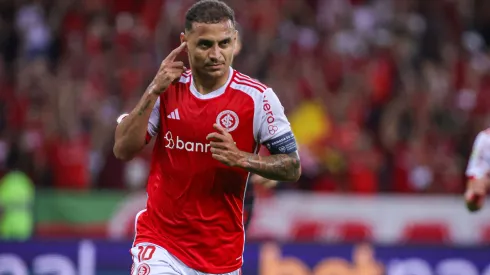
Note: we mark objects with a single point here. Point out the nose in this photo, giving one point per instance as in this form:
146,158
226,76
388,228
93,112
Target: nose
214,53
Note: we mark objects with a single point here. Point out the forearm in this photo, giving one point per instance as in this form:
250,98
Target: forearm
476,191
130,136
483,183
280,167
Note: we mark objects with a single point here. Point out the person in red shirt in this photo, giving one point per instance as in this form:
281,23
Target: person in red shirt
209,123
478,172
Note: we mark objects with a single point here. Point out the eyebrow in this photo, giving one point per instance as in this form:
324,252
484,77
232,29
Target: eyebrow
204,40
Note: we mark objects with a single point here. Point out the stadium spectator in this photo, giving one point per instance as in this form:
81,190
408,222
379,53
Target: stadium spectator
396,91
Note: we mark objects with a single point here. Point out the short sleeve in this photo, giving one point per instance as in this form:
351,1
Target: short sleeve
153,122
274,128
479,162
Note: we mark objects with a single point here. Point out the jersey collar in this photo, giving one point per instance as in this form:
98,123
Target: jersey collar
214,93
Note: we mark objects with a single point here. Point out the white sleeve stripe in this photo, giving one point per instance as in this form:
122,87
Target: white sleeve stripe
244,76
184,79
240,76
246,83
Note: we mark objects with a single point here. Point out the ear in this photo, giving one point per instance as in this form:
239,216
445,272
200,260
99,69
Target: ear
183,39
237,35
237,44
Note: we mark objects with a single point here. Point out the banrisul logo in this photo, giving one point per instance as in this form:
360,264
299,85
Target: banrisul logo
174,142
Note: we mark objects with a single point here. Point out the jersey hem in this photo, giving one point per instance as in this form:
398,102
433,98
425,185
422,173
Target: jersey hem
184,260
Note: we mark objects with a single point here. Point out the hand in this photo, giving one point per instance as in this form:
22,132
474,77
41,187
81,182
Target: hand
267,183
169,71
224,149
475,194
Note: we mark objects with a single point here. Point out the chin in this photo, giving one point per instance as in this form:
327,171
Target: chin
217,73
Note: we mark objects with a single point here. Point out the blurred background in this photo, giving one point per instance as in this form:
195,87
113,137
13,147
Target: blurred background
385,98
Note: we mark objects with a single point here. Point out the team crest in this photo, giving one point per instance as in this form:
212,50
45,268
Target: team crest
143,269
228,120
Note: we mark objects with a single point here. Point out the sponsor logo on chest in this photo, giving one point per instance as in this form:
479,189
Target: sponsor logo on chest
227,119
176,142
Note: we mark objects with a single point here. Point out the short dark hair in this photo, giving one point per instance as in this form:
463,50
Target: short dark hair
208,11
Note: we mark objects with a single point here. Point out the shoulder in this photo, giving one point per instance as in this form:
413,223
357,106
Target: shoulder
179,84
484,135
248,85
485,132
185,78
482,139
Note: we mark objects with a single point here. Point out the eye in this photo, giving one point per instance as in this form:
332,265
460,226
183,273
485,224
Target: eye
204,44
225,43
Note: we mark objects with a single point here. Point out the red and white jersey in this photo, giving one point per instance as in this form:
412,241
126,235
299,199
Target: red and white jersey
479,162
195,203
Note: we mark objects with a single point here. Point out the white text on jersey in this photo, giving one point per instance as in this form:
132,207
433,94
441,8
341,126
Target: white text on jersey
189,146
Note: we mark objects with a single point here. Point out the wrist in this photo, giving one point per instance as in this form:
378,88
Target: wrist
154,89
243,160
154,92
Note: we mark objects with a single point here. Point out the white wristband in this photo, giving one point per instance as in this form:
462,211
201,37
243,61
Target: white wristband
121,117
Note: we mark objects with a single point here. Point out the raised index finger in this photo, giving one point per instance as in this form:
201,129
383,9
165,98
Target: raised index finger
220,129
173,54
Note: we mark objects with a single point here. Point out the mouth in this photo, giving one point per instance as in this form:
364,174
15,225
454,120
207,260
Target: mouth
215,66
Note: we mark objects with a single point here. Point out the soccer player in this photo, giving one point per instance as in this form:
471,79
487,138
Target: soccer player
209,123
478,172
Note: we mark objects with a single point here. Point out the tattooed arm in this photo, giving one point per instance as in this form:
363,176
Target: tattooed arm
278,166
274,132
281,167
131,133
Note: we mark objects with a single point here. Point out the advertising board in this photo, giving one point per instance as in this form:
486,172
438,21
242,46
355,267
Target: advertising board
87,257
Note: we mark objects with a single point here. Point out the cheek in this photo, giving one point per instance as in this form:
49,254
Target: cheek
196,57
228,53
201,56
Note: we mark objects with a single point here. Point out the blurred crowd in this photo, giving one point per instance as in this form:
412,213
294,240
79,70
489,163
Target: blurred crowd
383,95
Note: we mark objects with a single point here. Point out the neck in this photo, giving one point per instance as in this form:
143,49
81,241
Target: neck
205,85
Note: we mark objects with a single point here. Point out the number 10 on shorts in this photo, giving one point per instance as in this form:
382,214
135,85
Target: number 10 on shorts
145,252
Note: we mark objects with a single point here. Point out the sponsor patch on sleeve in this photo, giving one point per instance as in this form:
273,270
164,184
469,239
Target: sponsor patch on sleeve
283,144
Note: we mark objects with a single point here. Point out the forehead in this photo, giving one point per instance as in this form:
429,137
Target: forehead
213,31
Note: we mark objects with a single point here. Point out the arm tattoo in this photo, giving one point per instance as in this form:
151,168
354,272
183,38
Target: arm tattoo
282,167
142,110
